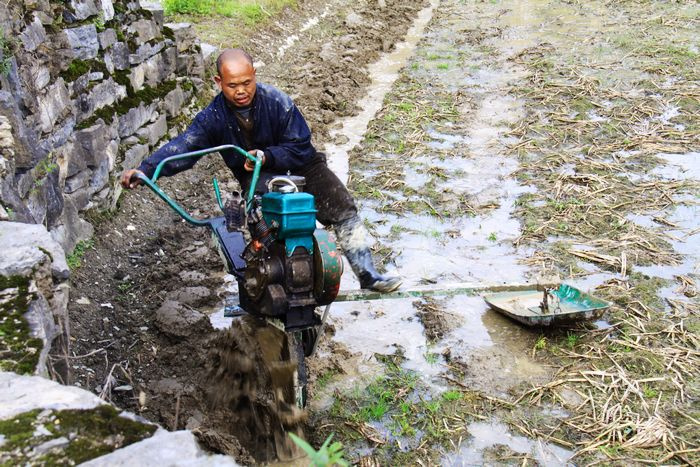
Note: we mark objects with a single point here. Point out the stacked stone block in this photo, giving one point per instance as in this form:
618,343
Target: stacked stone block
87,89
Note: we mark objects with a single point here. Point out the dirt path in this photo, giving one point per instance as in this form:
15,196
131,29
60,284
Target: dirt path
521,139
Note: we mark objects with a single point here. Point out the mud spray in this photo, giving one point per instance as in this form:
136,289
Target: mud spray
250,389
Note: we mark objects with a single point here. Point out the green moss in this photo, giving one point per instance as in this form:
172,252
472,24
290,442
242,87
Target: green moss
122,77
7,51
92,433
145,13
118,28
168,33
18,430
145,95
105,113
131,43
78,68
99,432
187,85
133,100
19,350
99,22
120,8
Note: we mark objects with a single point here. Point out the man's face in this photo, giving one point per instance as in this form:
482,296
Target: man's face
237,82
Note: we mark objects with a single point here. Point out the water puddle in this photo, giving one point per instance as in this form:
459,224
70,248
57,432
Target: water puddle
383,72
591,281
480,340
492,443
679,166
681,229
493,352
384,327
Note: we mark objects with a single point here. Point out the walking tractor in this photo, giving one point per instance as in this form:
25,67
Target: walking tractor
285,267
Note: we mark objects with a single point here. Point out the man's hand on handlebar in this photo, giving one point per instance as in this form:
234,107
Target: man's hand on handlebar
250,165
130,179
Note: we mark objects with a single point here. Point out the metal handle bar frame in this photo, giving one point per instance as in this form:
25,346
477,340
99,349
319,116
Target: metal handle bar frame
151,182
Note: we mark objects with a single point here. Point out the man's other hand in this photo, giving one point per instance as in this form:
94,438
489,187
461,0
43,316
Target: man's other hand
129,179
250,165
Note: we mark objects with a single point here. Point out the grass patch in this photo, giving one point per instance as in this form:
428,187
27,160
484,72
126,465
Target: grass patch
245,13
403,405
74,259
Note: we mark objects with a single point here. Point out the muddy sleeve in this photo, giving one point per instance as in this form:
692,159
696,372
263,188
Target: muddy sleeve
195,137
293,148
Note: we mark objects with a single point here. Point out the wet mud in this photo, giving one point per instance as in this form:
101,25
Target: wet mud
470,173
250,391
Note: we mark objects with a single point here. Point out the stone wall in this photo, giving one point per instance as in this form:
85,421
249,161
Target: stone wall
33,297
87,89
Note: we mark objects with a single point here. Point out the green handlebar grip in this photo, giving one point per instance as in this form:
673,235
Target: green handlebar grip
254,179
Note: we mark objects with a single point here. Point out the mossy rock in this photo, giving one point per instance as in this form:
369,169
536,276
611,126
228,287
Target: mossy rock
76,436
20,351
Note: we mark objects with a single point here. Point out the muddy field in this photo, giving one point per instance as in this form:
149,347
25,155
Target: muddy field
519,140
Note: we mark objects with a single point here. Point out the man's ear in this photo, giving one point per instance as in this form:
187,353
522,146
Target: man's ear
217,80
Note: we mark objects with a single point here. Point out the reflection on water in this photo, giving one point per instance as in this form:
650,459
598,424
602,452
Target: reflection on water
493,436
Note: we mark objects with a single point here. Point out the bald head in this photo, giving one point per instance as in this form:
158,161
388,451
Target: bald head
236,77
233,55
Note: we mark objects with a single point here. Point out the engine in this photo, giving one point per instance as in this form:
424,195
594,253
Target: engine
291,267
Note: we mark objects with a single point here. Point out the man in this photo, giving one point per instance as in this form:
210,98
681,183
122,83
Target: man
264,121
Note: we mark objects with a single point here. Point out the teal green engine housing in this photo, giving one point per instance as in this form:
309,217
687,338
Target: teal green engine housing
293,216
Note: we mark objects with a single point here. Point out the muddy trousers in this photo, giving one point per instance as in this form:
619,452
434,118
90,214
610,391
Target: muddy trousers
336,208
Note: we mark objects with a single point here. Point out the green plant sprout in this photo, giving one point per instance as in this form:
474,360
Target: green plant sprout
327,455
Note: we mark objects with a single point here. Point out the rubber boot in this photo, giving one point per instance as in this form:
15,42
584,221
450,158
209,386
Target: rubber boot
363,267
352,237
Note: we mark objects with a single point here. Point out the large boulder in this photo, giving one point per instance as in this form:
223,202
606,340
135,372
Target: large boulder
25,393
164,448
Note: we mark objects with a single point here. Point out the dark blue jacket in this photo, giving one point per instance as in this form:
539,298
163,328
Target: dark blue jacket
279,130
